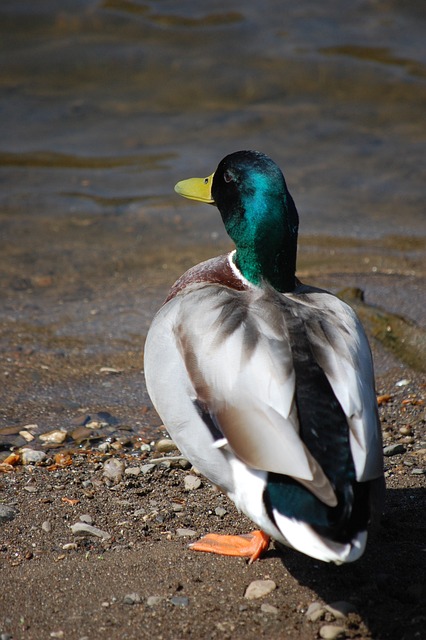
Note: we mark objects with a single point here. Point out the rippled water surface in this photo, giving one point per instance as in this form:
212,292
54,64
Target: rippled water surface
106,104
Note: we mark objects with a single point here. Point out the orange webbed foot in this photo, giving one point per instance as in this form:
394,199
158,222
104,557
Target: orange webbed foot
249,545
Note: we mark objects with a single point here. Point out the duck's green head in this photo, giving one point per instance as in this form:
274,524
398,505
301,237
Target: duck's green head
259,215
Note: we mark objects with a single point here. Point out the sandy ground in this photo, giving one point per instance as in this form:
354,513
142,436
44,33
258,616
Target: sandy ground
61,585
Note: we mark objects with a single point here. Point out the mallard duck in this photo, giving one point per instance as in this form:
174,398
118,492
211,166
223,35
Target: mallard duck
266,384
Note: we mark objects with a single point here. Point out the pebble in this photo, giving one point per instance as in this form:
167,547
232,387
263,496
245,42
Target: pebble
113,470
153,601
269,608
332,632
191,483
393,449
86,518
221,512
147,468
132,598
180,601
32,456
57,436
340,609
132,471
69,546
30,427
165,445
57,634
26,435
81,528
402,383
405,430
418,472
7,513
30,488
95,424
186,533
316,611
259,588
46,526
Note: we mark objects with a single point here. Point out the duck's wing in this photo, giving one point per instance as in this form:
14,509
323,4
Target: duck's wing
236,353
340,347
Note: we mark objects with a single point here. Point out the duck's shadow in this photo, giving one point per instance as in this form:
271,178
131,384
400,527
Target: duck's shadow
387,584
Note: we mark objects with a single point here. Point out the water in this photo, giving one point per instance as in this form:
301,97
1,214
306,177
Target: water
105,105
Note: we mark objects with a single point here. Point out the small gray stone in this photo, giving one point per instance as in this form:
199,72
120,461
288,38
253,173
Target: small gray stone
221,512
147,468
417,472
86,518
165,445
180,601
69,546
269,608
46,526
340,609
259,588
7,513
393,449
113,470
132,598
331,632
191,483
132,471
81,528
30,488
315,612
153,601
186,533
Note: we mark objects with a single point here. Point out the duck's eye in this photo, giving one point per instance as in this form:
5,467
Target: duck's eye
228,177
206,181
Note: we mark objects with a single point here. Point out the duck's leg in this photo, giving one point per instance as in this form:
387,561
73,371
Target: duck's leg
249,545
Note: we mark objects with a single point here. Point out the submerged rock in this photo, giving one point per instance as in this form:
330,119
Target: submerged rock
57,436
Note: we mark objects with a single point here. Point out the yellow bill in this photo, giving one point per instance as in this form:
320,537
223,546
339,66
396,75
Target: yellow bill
196,189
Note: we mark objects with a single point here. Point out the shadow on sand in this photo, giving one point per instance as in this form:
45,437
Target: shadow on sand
387,584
